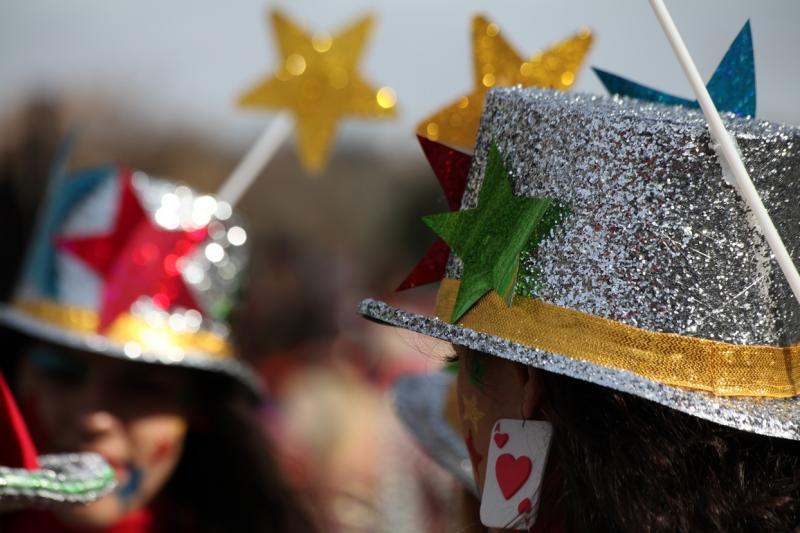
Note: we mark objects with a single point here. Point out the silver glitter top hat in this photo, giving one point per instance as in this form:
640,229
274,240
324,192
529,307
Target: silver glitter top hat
659,258
426,404
135,267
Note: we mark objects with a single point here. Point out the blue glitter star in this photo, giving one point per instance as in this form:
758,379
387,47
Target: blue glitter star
732,87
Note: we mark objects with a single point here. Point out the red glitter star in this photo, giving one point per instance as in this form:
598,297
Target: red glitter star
475,457
136,258
451,168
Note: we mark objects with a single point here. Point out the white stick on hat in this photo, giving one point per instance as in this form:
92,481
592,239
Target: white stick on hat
727,148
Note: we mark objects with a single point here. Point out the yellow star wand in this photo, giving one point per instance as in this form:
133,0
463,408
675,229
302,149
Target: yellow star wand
318,83
497,64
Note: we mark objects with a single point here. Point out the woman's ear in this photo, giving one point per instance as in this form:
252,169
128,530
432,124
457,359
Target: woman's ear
531,392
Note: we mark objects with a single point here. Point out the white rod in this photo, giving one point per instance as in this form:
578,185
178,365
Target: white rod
256,159
727,148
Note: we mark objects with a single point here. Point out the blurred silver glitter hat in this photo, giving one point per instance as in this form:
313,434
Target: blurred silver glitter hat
134,267
426,403
656,282
28,480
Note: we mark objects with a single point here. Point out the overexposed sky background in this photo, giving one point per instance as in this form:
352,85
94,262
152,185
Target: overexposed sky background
181,63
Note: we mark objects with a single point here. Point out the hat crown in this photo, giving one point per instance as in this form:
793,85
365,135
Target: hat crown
146,263
655,239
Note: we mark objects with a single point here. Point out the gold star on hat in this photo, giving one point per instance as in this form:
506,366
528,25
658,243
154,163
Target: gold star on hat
497,64
318,80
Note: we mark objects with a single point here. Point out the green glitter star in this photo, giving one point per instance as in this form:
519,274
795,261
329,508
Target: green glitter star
490,238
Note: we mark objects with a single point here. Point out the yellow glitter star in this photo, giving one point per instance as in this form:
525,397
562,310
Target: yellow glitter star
472,413
496,64
318,81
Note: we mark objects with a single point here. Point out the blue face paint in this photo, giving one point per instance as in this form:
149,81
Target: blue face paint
126,491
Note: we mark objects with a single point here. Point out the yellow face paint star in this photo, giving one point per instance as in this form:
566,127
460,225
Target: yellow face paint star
496,64
318,81
472,413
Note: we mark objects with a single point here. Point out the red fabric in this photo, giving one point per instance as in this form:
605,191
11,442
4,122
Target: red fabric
43,522
16,447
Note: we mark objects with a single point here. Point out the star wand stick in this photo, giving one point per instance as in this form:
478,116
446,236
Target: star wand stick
256,159
727,148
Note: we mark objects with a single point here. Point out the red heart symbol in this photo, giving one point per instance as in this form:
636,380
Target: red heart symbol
500,439
512,473
524,506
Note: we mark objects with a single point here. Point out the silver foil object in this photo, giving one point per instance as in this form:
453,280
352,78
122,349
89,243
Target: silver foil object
63,479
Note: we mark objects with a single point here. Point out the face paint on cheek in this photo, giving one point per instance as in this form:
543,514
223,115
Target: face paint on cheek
163,449
128,490
168,443
471,412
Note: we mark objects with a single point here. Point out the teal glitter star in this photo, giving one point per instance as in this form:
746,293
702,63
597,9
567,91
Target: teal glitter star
732,87
490,238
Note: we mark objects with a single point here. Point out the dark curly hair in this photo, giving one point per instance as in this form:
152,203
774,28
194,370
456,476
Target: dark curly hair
628,464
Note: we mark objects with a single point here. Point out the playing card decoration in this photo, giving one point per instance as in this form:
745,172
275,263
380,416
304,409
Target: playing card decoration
451,168
517,459
497,64
318,80
732,87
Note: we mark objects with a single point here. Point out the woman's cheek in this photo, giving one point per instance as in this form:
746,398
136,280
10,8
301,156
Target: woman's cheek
162,443
157,444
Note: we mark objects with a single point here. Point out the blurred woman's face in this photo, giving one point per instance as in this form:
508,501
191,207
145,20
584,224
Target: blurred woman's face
133,414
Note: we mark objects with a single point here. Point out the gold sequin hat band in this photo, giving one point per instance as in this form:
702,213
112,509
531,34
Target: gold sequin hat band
657,282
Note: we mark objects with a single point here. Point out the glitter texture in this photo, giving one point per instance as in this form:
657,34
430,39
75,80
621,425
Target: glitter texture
451,168
776,418
177,301
319,82
497,64
62,479
419,401
732,87
655,237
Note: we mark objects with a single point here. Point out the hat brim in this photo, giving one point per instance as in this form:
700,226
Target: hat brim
765,416
19,321
63,479
419,401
